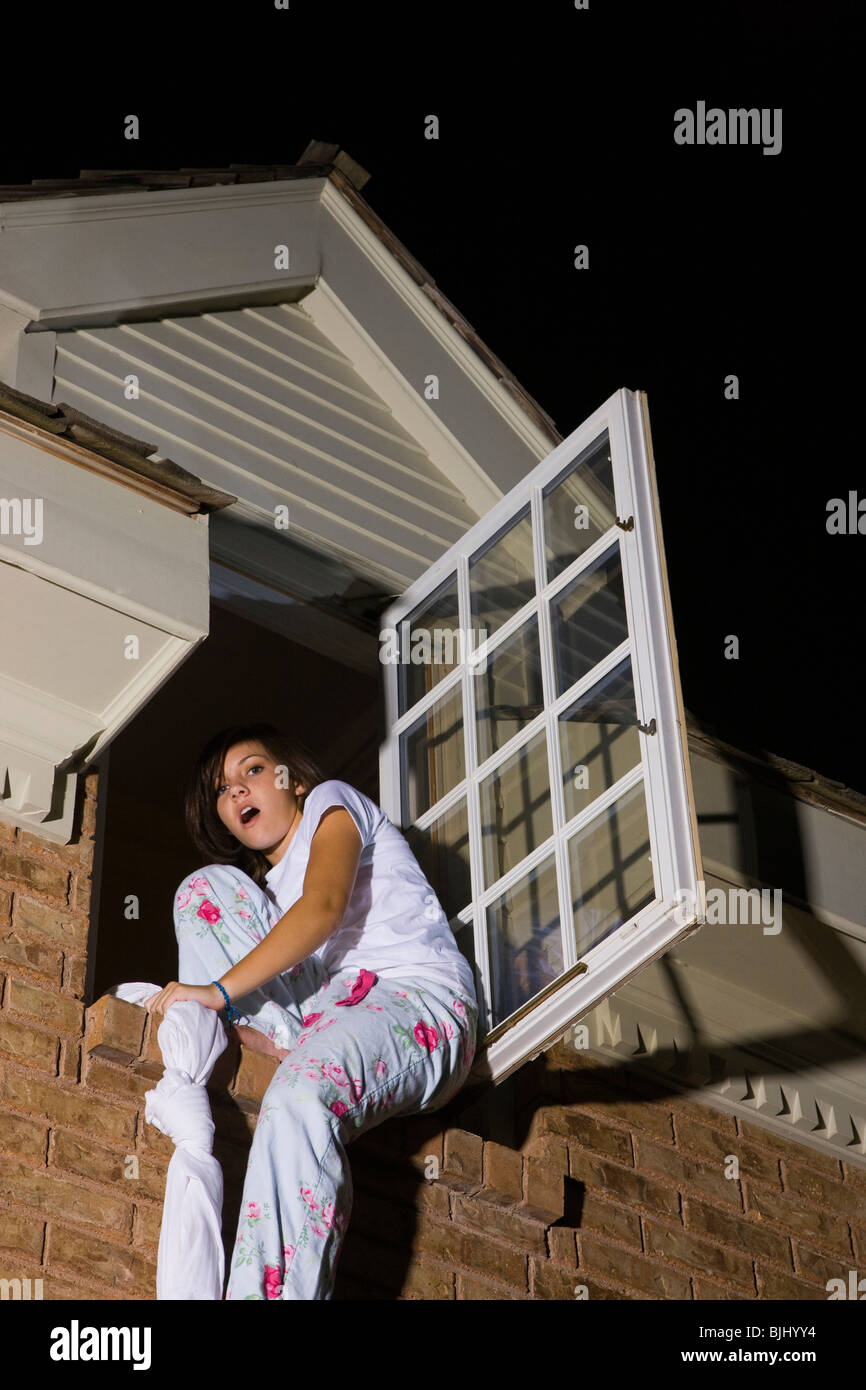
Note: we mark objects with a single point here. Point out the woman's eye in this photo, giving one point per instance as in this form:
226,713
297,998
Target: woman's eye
221,789
257,767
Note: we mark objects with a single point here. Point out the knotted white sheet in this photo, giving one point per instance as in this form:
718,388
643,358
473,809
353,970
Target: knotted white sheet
190,1260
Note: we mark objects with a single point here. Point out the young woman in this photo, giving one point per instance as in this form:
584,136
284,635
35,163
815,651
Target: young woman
315,922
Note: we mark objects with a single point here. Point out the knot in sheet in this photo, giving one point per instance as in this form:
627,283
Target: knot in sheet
190,1260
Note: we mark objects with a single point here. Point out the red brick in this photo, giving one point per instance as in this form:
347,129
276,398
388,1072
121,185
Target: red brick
716,1147
817,1268
686,1172
856,1176
562,1246
544,1189
630,1267
704,1114
509,1223
146,1224
129,1270
772,1284
425,1279
42,875
821,1191
674,1243
383,1181
254,1076
53,1196
708,1289
471,1250
81,892
797,1217
590,1133
87,1158
471,1288
26,1138
115,1029
611,1220
5,904
20,1232
549,1282
738,1232
116,1081
791,1148
464,1158
51,923
70,1060
52,1009
503,1171
25,1044
73,1108
75,975
16,949
548,1149
625,1183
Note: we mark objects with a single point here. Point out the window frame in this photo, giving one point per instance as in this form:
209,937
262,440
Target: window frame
663,768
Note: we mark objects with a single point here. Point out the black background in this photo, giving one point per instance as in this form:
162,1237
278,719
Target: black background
556,128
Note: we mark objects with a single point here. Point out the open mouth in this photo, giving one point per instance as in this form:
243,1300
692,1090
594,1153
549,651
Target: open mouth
248,814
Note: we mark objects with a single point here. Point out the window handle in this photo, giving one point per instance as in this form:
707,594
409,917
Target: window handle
626,525
649,728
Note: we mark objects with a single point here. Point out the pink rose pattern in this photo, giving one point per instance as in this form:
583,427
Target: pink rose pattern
352,1099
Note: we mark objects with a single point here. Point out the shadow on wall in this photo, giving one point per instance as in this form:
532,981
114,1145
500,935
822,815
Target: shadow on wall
241,673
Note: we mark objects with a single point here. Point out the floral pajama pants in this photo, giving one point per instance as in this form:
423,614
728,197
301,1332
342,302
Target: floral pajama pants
362,1049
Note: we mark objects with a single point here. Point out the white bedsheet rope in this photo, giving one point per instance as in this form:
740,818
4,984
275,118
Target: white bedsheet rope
190,1260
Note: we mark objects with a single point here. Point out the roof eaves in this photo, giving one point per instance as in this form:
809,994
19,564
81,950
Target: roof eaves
130,456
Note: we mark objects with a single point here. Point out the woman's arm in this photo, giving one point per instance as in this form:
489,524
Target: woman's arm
335,852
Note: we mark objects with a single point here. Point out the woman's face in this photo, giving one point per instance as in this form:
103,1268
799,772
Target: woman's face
254,802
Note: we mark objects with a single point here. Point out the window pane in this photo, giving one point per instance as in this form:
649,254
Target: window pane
515,809
508,694
598,739
524,941
432,756
578,508
502,576
588,619
442,850
611,873
425,660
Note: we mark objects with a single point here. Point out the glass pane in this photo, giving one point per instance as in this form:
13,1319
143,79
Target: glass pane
611,873
578,508
588,619
432,756
464,935
515,809
502,576
598,739
524,941
442,850
428,645
508,694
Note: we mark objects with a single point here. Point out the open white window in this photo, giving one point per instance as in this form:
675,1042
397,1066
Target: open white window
536,756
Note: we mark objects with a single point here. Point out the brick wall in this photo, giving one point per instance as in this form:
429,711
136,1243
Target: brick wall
606,1182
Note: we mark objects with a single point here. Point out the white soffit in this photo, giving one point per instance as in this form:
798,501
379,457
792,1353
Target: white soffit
103,593
261,403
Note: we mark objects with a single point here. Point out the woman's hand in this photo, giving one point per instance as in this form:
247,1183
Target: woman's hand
175,993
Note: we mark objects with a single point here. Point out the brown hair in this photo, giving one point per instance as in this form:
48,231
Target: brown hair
214,842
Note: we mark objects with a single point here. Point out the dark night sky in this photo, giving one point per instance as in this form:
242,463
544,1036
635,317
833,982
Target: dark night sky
556,128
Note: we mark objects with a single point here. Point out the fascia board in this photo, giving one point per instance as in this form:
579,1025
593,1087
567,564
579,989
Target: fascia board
407,328
69,261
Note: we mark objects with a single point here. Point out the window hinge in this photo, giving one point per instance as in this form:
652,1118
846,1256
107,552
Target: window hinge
649,728
627,525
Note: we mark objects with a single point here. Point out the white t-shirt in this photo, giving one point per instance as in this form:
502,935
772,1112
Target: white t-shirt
394,924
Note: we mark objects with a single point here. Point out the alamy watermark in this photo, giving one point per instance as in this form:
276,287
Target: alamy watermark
736,126
733,907
439,646
22,516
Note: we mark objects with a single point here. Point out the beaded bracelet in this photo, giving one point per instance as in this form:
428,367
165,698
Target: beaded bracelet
232,1014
